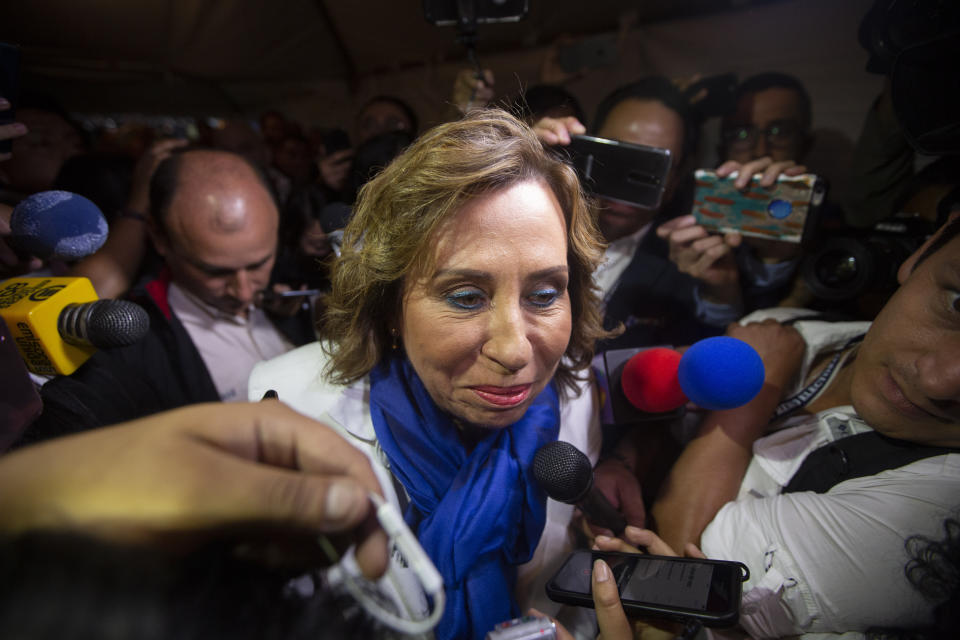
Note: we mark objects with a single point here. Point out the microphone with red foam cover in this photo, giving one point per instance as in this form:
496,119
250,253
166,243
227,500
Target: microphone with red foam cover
715,373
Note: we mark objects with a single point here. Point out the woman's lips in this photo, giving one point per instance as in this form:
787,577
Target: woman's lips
503,396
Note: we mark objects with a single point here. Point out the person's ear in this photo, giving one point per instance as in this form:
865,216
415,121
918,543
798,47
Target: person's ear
908,265
158,237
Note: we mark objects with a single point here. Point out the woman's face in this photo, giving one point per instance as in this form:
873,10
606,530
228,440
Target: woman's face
486,328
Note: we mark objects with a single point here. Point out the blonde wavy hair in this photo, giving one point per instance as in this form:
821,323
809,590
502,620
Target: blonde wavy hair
398,213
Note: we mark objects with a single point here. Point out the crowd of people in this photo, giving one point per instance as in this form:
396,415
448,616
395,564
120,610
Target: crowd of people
411,315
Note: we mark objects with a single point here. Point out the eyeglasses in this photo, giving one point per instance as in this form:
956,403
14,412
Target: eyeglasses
778,134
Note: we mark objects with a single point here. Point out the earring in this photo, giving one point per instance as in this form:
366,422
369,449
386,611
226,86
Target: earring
396,339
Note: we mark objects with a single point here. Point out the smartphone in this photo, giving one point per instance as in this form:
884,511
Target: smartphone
658,586
621,171
787,211
9,86
589,53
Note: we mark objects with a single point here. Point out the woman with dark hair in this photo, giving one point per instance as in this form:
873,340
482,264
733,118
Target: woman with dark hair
462,321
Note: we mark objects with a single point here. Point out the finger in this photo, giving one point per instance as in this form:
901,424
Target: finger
707,243
262,495
670,226
771,173
14,130
649,540
691,550
549,137
683,238
748,170
733,239
606,601
714,257
795,170
573,125
373,550
562,633
610,543
276,435
727,168
488,77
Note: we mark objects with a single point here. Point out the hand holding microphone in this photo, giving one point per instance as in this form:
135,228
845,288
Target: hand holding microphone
565,473
57,323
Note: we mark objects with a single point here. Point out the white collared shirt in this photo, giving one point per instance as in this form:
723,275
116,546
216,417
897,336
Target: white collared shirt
229,345
618,255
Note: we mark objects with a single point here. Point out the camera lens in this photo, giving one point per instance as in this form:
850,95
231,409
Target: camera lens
841,270
836,268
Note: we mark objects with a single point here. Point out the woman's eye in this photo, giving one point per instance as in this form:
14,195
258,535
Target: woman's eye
544,297
466,299
954,298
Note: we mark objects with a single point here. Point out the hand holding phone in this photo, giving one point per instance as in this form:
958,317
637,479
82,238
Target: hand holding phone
786,211
630,173
707,591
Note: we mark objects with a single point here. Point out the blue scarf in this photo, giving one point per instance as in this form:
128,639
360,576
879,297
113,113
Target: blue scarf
476,514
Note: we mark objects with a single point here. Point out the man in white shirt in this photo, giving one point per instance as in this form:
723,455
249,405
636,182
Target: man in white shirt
214,221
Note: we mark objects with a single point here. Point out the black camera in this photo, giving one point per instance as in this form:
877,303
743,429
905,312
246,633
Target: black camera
848,264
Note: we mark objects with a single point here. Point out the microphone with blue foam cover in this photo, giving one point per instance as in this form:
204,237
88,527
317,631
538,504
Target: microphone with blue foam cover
721,373
714,373
57,225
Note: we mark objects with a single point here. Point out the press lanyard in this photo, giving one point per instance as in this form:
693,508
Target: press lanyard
806,395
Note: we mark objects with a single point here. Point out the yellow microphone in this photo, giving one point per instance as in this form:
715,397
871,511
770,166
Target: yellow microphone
58,323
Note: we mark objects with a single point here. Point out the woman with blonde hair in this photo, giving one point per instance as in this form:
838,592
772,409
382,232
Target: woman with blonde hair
461,326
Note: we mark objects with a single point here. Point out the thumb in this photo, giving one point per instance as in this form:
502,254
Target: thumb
327,503
606,600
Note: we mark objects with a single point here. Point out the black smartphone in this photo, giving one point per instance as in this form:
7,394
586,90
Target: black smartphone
787,211
9,86
621,171
658,586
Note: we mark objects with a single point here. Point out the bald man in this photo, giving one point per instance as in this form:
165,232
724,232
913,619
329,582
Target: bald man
214,222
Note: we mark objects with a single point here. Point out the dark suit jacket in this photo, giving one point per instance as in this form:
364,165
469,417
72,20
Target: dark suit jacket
654,301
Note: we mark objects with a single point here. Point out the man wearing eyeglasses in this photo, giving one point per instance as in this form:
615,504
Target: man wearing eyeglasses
767,132
771,119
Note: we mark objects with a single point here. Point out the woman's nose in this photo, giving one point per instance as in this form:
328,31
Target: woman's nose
507,343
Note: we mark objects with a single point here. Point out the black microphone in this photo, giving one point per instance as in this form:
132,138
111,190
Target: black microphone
57,323
564,472
103,324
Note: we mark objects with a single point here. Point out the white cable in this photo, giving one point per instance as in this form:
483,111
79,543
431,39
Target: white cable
417,560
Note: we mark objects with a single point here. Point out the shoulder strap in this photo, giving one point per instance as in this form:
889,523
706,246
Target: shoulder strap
857,456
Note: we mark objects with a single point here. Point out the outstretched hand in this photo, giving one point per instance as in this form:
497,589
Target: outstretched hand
177,479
